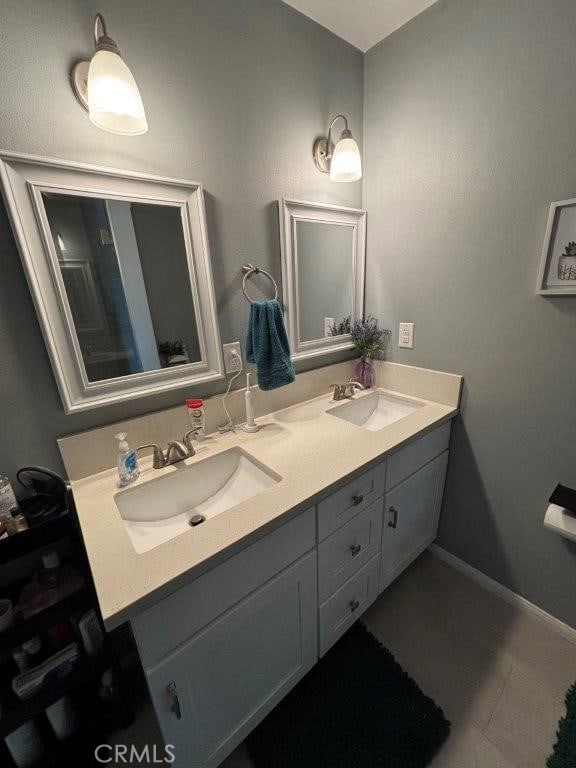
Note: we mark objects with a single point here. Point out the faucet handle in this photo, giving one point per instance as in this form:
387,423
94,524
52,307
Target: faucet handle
187,440
159,460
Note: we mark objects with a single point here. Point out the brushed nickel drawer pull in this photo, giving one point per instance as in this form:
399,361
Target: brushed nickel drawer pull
355,549
171,687
354,604
393,522
357,499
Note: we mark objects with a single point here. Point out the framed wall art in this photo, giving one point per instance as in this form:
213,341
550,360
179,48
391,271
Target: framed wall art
557,274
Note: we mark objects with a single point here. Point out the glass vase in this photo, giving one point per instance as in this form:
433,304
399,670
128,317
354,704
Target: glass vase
364,372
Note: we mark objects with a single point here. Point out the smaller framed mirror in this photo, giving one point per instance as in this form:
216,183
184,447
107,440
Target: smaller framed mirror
323,265
119,270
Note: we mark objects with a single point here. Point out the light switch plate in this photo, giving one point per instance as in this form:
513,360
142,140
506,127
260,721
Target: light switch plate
406,335
232,364
328,323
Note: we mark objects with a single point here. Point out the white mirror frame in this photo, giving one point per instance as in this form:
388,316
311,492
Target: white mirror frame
24,178
290,213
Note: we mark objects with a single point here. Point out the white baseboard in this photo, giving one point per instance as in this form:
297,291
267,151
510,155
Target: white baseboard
519,602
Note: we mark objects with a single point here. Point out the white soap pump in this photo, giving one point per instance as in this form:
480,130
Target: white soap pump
250,425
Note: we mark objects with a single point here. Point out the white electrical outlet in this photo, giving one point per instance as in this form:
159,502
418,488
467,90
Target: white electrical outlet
406,335
328,323
232,364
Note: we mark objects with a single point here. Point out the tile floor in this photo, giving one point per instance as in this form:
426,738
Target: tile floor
499,675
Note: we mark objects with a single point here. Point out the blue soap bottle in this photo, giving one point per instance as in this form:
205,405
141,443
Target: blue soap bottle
128,469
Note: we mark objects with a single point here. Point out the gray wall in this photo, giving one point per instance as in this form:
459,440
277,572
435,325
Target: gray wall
470,133
235,91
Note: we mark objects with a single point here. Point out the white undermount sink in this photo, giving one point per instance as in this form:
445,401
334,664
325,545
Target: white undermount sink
161,509
376,410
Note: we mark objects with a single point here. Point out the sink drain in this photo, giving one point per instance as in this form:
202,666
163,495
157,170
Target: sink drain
196,520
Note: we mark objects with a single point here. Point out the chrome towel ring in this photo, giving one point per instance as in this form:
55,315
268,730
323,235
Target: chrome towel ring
249,270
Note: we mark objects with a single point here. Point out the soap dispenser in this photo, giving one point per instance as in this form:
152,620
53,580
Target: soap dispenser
128,469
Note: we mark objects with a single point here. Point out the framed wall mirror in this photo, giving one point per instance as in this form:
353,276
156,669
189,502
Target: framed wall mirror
323,264
119,269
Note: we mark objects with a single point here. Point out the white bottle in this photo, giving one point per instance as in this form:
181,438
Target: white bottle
196,414
250,425
128,469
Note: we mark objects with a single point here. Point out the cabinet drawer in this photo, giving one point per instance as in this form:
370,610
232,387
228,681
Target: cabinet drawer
159,629
414,455
341,555
352,599
347,502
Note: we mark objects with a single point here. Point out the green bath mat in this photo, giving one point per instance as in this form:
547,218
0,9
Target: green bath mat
564,755
356,708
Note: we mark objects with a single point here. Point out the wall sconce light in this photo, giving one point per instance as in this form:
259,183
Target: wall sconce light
343,161
106,88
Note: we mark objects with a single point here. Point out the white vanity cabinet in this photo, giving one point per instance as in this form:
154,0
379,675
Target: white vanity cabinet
220,652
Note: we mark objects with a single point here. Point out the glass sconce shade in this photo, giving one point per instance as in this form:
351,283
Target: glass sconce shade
114,101
346,163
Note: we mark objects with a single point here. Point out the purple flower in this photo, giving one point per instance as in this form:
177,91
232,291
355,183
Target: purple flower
367,337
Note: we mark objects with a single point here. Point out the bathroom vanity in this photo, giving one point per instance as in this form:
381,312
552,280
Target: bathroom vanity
230,614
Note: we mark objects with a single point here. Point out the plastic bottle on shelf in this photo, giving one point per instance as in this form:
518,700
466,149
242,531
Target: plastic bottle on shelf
10,512
49,585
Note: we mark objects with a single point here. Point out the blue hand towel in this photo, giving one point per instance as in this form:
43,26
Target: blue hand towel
267,345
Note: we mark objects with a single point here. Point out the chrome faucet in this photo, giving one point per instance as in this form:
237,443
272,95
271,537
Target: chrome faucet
176,451
345,391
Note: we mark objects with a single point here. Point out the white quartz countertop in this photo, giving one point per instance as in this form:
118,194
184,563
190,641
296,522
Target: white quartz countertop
313,452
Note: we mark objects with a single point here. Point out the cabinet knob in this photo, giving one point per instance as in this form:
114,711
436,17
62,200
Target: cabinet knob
171,688
357,499
353,605
355,549
393,522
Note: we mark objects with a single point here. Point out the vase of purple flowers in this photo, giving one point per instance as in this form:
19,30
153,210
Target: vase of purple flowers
364,372
369,339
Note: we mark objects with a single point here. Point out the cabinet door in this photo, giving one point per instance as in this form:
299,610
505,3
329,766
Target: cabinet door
411,513
213,690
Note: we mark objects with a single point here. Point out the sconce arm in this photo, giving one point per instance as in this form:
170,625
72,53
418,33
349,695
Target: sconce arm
329,140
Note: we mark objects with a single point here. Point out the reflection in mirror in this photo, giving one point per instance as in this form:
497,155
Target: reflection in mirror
125,272
325,255
323,259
